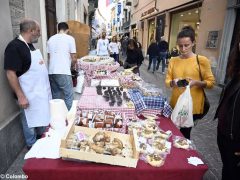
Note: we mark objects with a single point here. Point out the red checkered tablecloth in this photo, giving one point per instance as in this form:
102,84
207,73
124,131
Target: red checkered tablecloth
91,101
98,102
89,70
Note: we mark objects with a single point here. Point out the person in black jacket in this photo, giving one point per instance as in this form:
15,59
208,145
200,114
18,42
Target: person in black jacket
228,114
139,45
134,56
163,48
153,52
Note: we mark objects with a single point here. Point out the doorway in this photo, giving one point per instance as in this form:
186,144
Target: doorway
160,27
151,30
50,6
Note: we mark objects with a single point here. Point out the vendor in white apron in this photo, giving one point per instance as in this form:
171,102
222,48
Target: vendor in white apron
34,86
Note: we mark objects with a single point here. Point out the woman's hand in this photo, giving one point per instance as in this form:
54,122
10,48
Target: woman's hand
173,83
192,82
196,83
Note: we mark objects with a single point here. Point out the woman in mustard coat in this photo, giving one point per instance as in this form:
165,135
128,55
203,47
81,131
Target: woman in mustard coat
185,66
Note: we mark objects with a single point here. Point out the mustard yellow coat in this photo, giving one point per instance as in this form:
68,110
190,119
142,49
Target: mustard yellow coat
188,68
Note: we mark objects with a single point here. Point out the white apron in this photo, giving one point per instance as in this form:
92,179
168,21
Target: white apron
36,87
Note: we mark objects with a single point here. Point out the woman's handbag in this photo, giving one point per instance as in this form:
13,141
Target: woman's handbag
206,101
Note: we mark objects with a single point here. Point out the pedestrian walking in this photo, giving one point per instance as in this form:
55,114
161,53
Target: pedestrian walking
61,49
139,45
153,52
102,45
174,52
134,56
228,114
114,47
124,46
163,54
185,67
28,77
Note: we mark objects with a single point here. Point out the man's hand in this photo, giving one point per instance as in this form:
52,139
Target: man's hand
14,83
23,102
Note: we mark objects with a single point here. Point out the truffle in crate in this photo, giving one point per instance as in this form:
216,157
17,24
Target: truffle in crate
99,90
105,147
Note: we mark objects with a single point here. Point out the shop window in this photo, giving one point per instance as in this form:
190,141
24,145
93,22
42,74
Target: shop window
160,27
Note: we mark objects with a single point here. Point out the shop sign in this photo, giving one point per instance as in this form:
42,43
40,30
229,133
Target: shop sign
148,12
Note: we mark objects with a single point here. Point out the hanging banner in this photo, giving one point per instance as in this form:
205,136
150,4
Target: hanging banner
119,8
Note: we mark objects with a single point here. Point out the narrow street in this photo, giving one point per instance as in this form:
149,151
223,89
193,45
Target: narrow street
63,29
203,135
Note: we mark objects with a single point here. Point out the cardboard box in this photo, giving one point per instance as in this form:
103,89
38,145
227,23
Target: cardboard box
72,154
81,34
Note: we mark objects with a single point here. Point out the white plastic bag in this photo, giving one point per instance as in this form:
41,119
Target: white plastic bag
80,83
182,113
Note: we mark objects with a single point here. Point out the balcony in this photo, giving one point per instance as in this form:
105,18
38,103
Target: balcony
128,3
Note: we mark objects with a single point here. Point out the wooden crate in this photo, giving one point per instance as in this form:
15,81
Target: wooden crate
72,154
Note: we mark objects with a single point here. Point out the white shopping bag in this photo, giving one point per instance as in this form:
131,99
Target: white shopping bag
182,113
80,83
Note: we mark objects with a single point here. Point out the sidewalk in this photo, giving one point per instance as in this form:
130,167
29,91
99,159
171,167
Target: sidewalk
203,135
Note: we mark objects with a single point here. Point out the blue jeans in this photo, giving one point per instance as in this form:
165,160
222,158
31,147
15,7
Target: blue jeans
62,88
31,134
115,56
152,59
163,57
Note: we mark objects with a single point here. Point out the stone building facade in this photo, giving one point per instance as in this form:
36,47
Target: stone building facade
11,12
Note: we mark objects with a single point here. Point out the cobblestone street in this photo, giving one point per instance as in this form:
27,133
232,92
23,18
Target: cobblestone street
203,135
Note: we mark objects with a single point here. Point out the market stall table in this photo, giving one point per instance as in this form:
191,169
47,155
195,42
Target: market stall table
176,167
90,68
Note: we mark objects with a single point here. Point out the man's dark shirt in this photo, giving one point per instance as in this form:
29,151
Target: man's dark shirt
17,56
163,46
